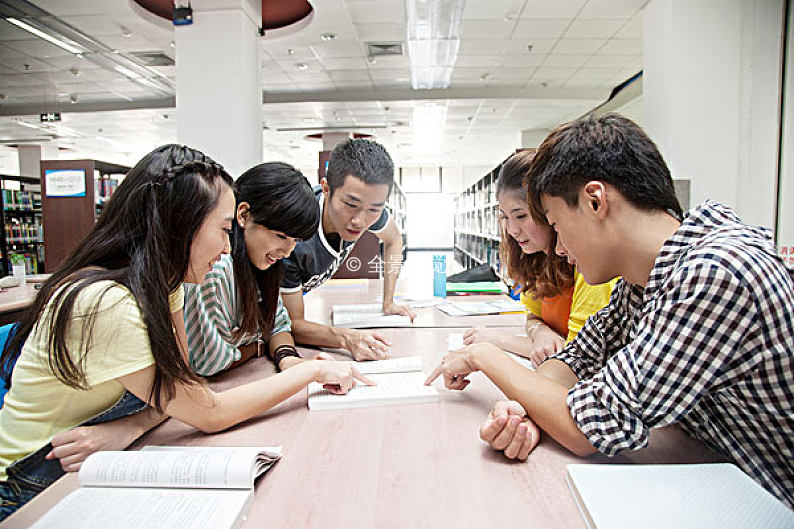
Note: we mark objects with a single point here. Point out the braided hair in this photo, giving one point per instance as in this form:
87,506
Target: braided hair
141,241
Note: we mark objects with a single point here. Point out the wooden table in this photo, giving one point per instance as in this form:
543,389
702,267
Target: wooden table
409,466
14,300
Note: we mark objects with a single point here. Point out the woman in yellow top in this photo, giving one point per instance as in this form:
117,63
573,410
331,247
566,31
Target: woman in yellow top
557,298
105,336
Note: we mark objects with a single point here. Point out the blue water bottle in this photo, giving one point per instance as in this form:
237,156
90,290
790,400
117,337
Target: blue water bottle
440,276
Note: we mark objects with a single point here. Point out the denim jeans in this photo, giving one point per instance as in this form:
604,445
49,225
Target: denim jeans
32,474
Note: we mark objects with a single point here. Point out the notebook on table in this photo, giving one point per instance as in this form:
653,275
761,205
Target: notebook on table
717,495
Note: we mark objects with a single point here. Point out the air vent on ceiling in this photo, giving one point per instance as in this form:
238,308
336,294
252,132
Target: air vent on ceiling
153,58
377,49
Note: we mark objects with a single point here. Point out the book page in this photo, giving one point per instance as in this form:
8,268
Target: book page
392,388
362,308
262,457
128,508
199,468
364,321
392,365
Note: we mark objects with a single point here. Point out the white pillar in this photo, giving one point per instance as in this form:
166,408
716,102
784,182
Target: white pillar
332,139
785,221
29,160
711,97
532,138
219,82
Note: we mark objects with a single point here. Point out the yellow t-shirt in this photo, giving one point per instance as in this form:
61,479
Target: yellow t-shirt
585,301
38,405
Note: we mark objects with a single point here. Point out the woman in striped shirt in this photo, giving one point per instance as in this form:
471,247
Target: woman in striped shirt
237,313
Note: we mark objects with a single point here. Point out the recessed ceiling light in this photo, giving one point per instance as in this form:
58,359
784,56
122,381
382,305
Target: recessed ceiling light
301,66
74,71
290,51
484,77
328,36
73,99
125,32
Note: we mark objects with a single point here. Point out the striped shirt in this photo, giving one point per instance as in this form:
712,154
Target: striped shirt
213,315
708,343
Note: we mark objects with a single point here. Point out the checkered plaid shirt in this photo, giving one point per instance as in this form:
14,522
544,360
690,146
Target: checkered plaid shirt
708,344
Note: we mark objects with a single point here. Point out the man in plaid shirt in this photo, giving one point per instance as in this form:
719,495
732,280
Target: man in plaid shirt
699,332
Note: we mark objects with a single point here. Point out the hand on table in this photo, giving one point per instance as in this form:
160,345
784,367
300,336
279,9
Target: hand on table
367,345
545,342
509,430
482,335
339,377
455,366
402,310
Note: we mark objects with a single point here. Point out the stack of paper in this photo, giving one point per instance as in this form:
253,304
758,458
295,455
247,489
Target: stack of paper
674,496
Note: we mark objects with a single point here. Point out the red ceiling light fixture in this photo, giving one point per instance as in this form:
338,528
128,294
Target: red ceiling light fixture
276,14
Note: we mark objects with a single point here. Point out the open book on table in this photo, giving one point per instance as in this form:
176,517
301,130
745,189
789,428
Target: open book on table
365,316
400,381
476,308
673,496
163,487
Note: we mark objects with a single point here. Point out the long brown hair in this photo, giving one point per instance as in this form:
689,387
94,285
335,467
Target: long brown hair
142,241
542,275
279,198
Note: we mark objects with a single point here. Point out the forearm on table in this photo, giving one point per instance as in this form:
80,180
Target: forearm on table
276,341
520,345
212,412
313,333
133,426
543,398
392,254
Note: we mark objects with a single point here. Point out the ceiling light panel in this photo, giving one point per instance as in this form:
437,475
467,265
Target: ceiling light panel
433,38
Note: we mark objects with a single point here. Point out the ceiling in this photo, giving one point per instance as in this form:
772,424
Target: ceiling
522,64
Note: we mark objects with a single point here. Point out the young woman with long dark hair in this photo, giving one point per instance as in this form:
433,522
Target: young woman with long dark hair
100,342
237,313
557,298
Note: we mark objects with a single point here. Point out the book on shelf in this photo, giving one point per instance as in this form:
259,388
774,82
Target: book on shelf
476,308
163,487
399,381
667,496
